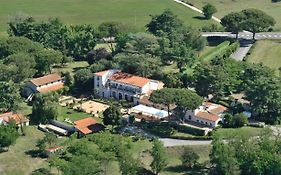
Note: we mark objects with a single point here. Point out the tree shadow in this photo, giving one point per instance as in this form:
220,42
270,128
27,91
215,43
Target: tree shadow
145,171
200,17
34,153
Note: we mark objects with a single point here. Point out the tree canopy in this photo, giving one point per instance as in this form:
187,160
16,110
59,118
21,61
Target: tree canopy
44,107
8,135
9,97
209,10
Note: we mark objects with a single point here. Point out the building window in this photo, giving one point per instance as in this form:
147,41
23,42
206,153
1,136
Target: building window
98,78
202,121
120,96
198,121
98,84
126,97
114,94
189,117
211,124
206,123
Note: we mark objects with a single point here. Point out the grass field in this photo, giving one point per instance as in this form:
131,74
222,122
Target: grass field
267,52
226,6
16,161
133,13
230,132
72,67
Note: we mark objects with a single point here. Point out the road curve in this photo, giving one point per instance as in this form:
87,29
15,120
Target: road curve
177,142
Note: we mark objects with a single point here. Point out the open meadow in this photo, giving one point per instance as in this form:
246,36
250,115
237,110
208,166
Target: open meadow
267,52
133,13
226,6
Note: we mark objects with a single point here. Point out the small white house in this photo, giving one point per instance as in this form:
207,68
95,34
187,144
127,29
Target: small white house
208,114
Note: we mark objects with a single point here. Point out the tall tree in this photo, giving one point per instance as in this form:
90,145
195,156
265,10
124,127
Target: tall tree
140,64
257,21
165,96
189,157
8,135
9,97
209,10
110,30
112,116
166,22
223,159
44,107
82,79
186,100
81,40
24,66
159,156
233,22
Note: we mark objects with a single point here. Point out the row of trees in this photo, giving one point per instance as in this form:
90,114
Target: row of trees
251,20
74,40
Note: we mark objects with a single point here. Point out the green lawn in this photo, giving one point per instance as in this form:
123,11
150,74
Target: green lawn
71,67
230,132
133,13
16,161
267,52
226,6
65,112
141,149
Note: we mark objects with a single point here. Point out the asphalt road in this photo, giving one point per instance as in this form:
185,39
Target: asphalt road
177,142
241,52
245,35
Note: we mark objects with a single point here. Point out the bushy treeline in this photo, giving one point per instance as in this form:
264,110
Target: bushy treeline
246,156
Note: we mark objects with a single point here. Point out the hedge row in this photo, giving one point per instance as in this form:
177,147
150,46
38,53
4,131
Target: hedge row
191,137
223,50
189,130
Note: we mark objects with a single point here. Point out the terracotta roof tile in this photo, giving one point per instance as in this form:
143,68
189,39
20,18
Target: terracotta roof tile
53,87
215,108
17,118
129,79
84,125
207,116
46,79
101,73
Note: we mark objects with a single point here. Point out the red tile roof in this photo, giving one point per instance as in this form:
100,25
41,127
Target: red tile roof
207,116
215,108
49,88
129,79
46,79
101,73
84,125
17,118
54,149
